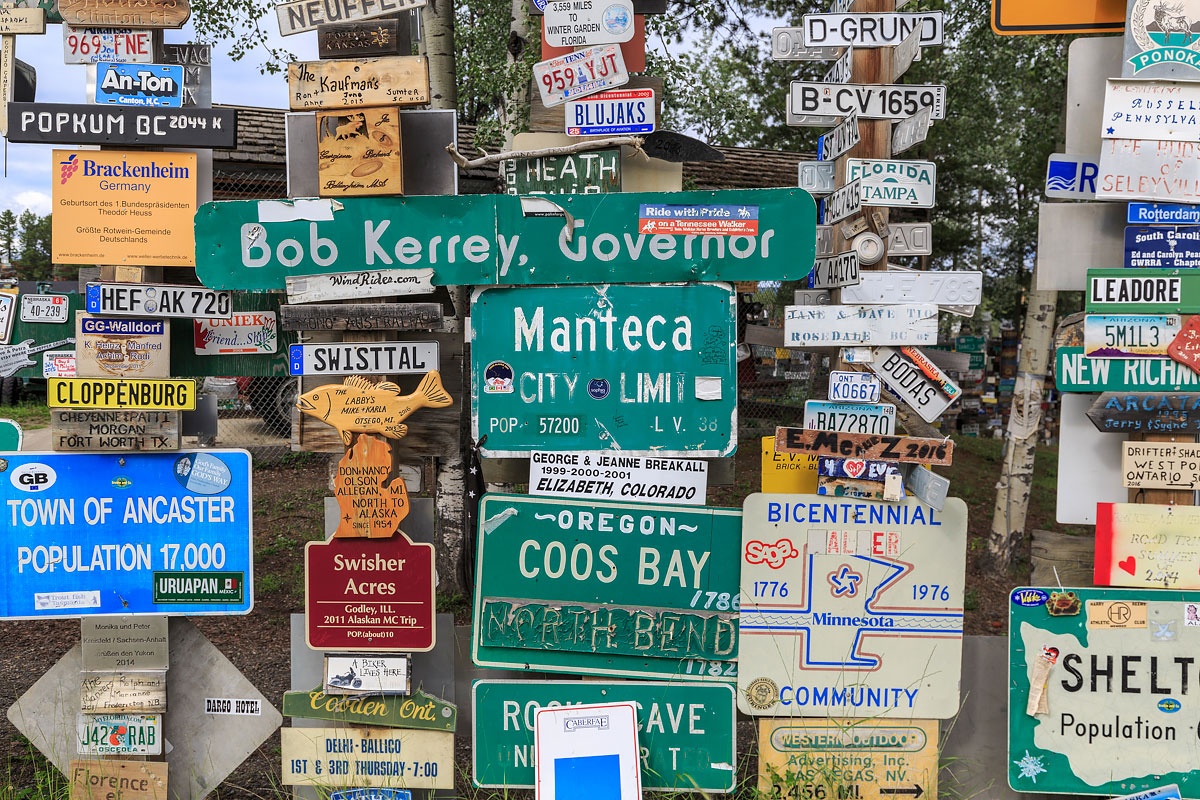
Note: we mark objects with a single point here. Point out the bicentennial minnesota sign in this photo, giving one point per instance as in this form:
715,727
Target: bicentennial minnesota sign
492,239
644,370
827,586
126,533
606,588
1122,716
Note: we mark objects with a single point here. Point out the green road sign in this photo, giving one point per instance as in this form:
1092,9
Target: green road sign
977,361
416,710
10,436
969,344
1143,291
648,370
744,234
1118,712
607,588
685,730
1075,372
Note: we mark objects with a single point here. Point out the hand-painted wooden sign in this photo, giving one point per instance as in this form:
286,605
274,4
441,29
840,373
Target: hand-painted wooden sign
1161,465
1147,545
298,16
595,172
358,152
358,285
102,778
1146,412
353,83
130,692
1129,335
125,13
418,711
907,449
78,430
368,675
379,37
22,20
850,326
364,757
362,317
371,506
359,406
369,595
1185,348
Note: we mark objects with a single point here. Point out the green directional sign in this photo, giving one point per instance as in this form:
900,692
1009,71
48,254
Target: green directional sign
685,730
645,370
736,235
969,344
10,436
607,588
1075,372
416,710
1143,291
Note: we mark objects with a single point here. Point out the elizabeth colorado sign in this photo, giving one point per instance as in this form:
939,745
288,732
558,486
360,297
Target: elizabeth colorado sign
828,584
644,370
606,588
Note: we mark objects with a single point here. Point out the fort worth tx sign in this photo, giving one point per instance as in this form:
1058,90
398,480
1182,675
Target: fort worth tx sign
748,234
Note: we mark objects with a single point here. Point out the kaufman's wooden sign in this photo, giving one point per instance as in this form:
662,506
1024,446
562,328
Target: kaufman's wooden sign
125,13
376,38
359,406
358,152
78,430
353,83
362,317
905,449
372,506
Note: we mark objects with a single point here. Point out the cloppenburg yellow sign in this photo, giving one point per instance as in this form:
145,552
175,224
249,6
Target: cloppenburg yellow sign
117,207
148,395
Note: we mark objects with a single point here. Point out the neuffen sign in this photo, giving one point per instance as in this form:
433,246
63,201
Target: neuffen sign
646,370
302,15
654,582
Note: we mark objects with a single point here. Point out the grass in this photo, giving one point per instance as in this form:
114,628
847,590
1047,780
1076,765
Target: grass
29,415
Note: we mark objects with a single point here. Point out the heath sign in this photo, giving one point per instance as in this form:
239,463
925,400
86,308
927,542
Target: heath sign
498,239
644,370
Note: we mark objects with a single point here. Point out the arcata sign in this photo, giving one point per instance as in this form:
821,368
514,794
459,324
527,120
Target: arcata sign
652,581
490,239
640,370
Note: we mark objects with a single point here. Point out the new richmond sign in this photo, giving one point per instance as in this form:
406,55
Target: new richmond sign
751,234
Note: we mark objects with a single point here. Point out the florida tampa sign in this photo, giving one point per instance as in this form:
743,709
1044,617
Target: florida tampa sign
746,234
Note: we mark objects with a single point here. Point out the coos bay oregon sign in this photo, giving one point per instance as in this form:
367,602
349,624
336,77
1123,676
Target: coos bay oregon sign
500,239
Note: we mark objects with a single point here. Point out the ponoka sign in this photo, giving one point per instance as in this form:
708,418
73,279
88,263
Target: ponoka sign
499,239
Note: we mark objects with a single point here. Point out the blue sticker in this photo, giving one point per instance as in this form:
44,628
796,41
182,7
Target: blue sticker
1030,598
596,777
498,378
202,473
597,388
1169,705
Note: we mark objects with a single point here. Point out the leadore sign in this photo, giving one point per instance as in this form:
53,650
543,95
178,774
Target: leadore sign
606,588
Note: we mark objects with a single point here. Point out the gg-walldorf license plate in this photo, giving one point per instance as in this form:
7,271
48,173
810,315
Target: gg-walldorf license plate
823,415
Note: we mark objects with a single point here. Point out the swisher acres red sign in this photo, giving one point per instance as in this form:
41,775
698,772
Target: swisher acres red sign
369,595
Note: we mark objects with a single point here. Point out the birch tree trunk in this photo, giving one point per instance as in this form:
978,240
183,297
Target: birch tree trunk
514,105
437,19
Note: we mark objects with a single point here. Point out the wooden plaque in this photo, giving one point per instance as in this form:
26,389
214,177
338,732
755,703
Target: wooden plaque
22,20
82,430
362,317
360,406
397,81
125,13
108,779
1146,412
358,152
905,449
381,37
372,507
123,692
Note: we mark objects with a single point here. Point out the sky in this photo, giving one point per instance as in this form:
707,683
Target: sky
25,168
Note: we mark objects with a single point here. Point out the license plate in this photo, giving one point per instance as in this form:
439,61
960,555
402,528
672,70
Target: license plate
622,111
119,734
817,178
951,287
823,415
151,300
579,74
1129,335
830,273
888,101
908,382
853,387
45,308
787,44
93,45
910,239
367,358
839,140
845,202
59,364
894,183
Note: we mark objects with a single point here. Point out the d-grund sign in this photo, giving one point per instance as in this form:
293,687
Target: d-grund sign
499,239
643,370
606,588
1101,692
126,534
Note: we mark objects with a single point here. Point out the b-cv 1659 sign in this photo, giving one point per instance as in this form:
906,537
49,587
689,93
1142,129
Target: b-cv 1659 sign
752,234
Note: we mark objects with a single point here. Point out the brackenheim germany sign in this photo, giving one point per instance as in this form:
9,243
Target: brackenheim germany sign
490,239
64,123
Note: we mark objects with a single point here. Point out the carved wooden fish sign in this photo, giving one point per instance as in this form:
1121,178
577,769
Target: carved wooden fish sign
370,507
359,406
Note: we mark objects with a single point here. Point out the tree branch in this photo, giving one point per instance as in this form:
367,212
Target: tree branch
495,158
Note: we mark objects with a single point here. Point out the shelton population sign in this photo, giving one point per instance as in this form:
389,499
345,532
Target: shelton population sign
126,533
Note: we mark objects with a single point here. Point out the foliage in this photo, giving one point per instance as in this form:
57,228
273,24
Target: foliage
239,24
29,415
33,260
8,234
